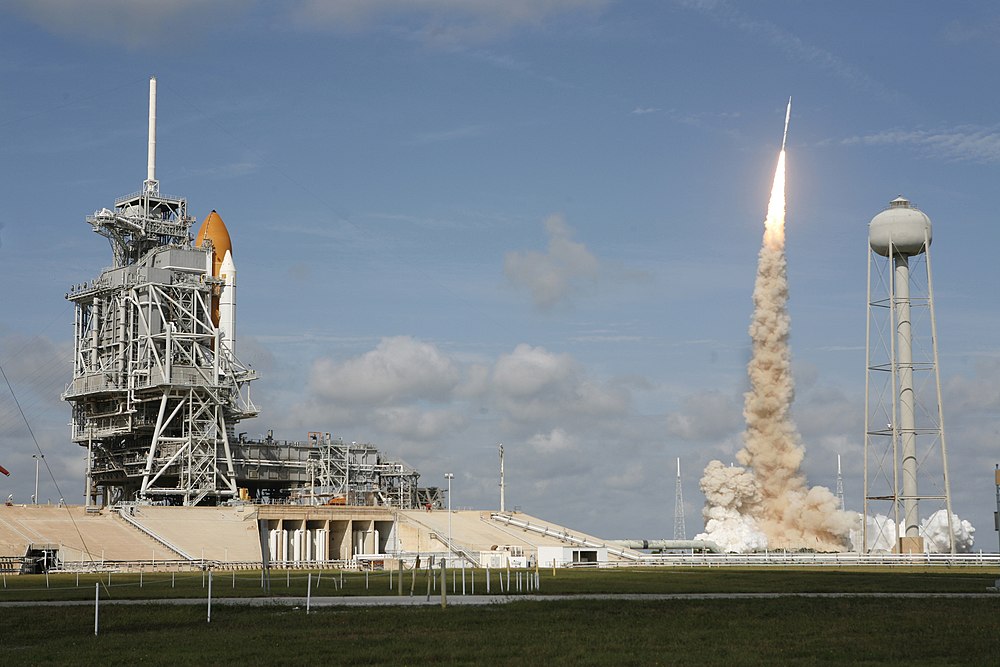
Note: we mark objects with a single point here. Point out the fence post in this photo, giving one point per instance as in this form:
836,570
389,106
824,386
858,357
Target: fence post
444,585
209,596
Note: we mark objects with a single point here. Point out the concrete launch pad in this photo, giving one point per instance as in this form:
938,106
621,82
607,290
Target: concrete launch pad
133,536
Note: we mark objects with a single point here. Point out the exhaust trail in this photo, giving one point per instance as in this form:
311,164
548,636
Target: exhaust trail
769,501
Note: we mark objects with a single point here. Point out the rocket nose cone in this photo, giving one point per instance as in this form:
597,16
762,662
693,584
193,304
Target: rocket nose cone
214,228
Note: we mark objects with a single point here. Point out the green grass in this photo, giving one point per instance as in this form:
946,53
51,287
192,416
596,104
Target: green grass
573,632
156,585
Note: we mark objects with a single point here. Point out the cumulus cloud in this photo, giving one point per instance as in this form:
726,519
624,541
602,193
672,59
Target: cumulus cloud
556,440
706,416
411,422
398,369
531,385
552,276
543,397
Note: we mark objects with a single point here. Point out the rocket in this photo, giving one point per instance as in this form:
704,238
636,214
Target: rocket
788,117
219,263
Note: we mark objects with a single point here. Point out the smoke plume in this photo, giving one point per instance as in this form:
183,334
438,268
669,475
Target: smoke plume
769,501
883,533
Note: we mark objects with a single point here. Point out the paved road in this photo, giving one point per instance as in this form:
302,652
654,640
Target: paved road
421,601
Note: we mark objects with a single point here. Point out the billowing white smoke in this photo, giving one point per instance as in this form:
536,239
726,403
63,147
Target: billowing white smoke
934,529
729,492
773,501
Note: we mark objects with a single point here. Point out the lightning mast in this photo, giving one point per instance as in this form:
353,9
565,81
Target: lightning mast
680,529
840,485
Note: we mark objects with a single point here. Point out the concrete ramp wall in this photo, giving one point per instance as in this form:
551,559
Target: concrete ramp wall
82,536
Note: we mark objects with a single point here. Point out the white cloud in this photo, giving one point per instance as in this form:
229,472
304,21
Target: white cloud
533,386
531,390
641,111
145,23
553,276
556,440
413,423
706,416
130,21
399,369
964,143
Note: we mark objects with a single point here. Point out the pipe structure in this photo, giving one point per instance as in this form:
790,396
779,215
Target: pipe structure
564,536
697,545
907,410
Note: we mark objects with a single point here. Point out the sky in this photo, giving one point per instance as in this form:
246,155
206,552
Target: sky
535,222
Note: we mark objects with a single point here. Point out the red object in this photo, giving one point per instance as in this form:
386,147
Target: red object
4,471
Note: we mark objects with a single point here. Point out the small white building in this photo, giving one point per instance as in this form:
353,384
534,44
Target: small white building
562,556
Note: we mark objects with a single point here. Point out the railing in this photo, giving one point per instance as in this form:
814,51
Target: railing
457,549
565,536
124,511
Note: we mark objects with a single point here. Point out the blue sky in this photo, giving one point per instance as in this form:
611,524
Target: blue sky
535,222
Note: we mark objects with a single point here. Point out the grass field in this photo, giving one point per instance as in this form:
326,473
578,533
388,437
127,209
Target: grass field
564,582
800,631
578,632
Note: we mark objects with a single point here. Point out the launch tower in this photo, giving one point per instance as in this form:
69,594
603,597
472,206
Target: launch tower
904,422
157,389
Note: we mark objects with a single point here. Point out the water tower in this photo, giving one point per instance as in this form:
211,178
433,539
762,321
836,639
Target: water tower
902,385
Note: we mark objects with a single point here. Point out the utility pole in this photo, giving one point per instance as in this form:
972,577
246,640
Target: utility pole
449,476
38,458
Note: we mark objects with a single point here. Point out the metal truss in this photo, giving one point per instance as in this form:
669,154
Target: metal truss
903,443
359,474
155,393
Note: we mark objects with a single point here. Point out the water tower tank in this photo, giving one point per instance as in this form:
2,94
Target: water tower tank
905,227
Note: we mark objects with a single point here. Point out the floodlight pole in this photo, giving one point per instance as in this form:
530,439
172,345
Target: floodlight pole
502,509
449,476
38,458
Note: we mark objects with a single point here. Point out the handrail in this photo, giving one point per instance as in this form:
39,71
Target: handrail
627,554
120,510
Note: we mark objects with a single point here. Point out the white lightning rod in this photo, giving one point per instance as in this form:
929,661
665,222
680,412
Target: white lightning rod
151,186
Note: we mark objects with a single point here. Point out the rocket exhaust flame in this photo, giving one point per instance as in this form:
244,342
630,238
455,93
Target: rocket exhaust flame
768,504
